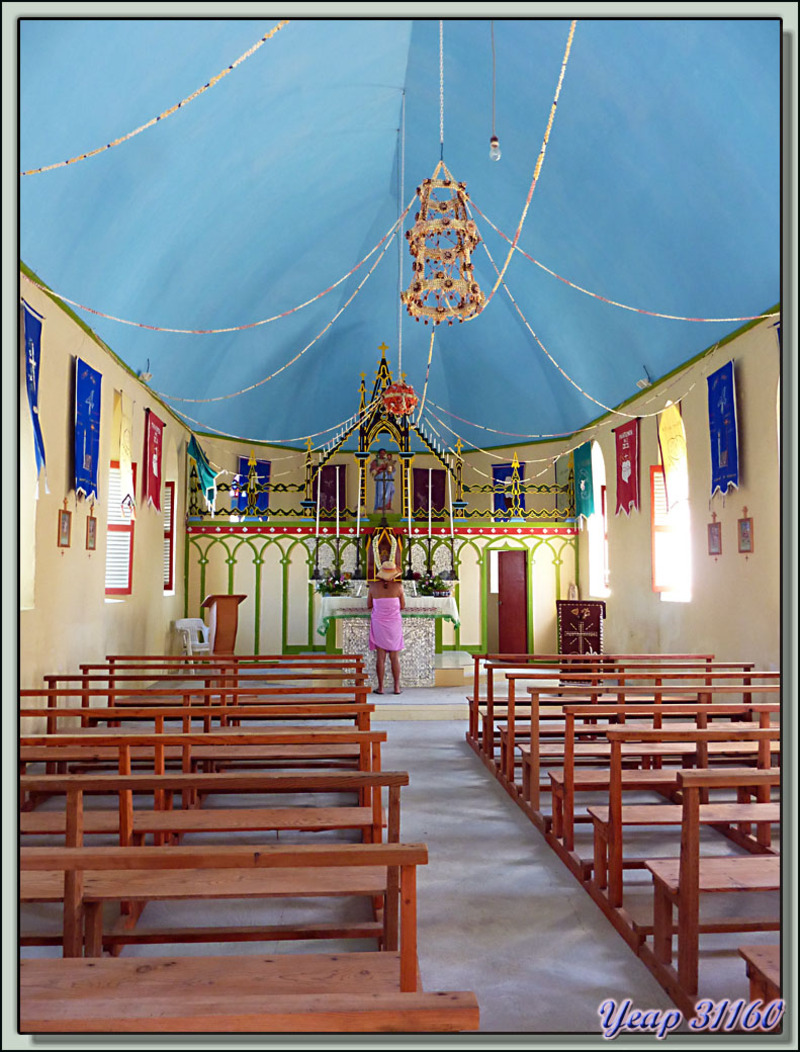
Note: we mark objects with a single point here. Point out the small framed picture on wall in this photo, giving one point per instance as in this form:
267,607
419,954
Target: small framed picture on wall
64,528
715,538
91,533
745,535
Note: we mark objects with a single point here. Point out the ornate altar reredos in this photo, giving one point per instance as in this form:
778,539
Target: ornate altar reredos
383,427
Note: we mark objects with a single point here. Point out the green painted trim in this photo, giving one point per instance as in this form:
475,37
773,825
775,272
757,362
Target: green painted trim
330,640
285,562
186,546
529,562
483,562
258,566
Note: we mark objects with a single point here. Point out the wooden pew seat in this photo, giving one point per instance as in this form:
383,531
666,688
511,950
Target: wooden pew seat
763,971
357,992
720,814
203,820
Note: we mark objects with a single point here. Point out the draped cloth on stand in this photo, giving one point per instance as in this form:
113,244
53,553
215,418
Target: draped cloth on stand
205,474
32,327
153,442
627,442
580,626
87,428
723,430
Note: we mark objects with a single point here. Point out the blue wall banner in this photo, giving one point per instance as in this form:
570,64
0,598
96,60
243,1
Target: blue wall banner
502,499
87,428
33,349
239,490
723,431
584,487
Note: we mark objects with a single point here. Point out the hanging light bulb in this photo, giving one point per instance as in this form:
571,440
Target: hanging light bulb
494,148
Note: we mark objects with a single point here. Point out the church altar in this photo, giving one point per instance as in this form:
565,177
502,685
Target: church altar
419,633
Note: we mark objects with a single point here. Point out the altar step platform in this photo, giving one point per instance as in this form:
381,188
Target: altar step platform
447,700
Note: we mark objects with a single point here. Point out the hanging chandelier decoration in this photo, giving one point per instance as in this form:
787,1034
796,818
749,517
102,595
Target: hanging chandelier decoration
400,399
441,242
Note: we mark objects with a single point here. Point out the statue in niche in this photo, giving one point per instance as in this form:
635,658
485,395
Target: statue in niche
382,469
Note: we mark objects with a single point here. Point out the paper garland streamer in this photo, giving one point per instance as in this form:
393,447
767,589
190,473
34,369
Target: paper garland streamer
606,299
427,374
591,398
539,163
549,460
279,441
308,346
234,328
166,113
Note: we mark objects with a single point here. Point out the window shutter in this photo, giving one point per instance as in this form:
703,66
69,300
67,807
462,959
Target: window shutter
119,537
168,499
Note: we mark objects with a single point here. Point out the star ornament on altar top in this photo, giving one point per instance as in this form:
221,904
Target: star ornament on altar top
441,243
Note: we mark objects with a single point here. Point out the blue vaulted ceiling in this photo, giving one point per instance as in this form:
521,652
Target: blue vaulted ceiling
659,189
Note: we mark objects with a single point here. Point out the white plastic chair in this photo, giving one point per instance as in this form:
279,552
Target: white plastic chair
195,634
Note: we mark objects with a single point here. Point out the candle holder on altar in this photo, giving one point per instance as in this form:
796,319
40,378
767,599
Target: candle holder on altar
358,573
409,574
315,576
450,575
338,561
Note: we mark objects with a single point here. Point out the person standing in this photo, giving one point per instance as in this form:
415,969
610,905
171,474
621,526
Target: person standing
386,600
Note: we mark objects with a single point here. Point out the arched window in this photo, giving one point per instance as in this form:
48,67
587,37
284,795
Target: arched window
669,512
597,526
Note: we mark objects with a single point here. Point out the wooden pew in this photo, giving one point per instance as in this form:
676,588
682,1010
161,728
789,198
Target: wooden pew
666,687
681,696
345,991
276,708
679,883
319,687
195,787
610,822
614,673
566,782
133,823
88,877
310,746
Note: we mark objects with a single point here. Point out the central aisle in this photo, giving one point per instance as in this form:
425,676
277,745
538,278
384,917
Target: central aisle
498,912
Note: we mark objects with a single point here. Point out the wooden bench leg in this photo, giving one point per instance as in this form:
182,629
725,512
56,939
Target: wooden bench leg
73,913
93,921
662,924
600,854
557,828
526,779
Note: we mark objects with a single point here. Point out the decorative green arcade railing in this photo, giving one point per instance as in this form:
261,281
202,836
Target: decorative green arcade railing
255,500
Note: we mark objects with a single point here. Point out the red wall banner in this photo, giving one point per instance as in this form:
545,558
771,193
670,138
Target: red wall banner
627,467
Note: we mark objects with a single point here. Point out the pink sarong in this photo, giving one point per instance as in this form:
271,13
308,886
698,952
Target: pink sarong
386,625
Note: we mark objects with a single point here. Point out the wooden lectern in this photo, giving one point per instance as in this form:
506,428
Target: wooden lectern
223,613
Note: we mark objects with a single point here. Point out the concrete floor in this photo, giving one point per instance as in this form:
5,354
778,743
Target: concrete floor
499,913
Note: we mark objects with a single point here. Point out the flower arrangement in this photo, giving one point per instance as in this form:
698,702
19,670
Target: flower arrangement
431,584
334,584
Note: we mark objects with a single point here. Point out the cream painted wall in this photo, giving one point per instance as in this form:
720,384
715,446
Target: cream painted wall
70,620
735,605
735,608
